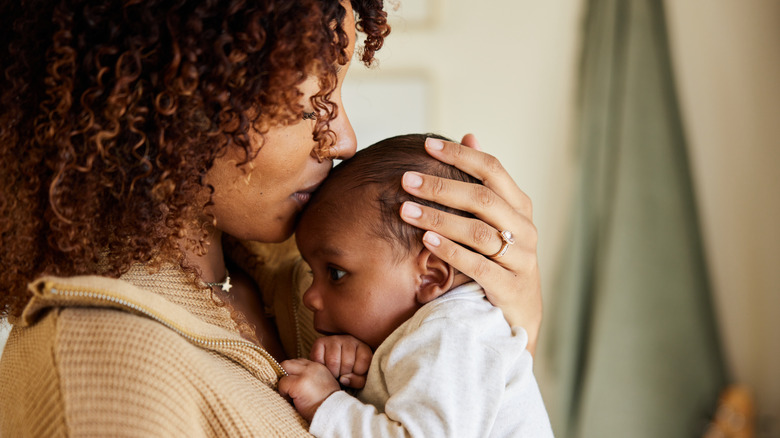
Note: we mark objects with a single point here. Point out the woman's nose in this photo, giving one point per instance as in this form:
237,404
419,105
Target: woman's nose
346,141
312,300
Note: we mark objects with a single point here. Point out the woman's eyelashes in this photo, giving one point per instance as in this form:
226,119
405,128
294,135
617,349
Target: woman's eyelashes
309,116
335,274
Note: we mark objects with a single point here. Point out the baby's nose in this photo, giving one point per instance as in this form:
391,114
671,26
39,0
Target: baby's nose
311,299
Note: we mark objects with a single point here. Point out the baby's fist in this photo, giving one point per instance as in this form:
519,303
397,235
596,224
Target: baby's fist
308,384
347,358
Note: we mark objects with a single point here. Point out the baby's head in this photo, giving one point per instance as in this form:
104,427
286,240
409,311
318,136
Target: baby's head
371,270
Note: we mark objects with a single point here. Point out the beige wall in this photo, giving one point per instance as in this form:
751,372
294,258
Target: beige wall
727,61
507,74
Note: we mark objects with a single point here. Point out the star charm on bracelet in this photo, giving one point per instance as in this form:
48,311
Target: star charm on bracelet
225,285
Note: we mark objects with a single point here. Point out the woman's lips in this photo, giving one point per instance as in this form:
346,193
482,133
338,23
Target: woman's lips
304,195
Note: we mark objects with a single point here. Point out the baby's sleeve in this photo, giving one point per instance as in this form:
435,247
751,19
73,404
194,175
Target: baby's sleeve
441,380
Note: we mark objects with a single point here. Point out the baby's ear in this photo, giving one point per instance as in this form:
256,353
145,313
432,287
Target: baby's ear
436,276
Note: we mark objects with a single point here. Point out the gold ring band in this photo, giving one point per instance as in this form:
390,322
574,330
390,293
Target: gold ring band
506,240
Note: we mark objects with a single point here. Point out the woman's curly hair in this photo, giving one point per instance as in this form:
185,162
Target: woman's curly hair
111,113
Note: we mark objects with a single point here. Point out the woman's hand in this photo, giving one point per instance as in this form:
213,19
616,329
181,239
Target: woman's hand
511,281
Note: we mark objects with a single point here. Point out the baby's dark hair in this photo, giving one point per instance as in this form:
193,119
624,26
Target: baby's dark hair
383,164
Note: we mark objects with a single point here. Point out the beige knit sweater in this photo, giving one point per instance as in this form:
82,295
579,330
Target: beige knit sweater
150,355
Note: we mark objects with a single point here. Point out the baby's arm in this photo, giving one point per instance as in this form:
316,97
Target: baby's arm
441,379
347,358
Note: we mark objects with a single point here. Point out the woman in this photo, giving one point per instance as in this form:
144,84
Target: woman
135,137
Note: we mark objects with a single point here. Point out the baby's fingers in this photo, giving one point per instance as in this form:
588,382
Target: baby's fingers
359,360
332,360
327,353
353,380
294,366
355,357
363,356
317,353
285,383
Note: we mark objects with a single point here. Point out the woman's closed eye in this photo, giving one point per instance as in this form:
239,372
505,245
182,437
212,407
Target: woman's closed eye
336,274
309,115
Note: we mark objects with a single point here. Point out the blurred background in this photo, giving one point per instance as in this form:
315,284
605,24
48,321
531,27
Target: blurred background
509,71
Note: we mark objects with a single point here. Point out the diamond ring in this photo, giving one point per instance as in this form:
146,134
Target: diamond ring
506,240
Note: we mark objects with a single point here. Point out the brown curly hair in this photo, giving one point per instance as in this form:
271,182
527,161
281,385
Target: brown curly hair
112,112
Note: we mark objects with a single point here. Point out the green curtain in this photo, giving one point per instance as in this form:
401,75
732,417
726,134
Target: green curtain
629,341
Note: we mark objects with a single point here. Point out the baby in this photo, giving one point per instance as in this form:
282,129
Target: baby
445,361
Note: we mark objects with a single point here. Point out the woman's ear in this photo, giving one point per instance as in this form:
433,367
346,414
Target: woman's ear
436,276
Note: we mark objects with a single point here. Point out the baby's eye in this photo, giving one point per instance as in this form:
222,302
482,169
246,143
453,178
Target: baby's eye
309,116
336,274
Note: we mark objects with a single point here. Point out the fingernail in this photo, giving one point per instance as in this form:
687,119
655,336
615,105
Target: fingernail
344,380
411,210
432,238
434,144
412,180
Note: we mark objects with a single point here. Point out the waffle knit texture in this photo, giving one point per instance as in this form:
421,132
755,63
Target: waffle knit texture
149,354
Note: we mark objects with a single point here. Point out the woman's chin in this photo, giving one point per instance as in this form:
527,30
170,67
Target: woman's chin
277,233
279,236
